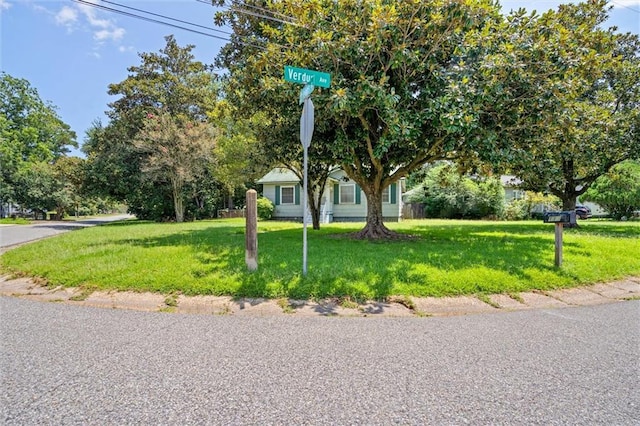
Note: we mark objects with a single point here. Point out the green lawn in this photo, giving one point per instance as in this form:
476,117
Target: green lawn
447,258
17,221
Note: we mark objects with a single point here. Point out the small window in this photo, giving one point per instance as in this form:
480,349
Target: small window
287,195
386,195
347,194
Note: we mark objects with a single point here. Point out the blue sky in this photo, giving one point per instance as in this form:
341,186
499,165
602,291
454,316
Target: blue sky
71,52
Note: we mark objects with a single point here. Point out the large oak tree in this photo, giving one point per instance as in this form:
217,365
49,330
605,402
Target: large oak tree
394,102
572,91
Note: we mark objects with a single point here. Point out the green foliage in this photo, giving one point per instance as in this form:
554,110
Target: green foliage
395,101
124,163
570,91
175,151
447,194
31,134
517,210
265,208
618,191
445,258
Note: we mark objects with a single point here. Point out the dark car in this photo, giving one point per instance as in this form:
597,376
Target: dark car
583,212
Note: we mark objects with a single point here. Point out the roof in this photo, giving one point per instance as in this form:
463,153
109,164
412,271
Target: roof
510,180
279,175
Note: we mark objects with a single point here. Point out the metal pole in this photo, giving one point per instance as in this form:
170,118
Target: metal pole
304,213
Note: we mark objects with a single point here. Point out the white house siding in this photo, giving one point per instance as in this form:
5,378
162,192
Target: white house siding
358,212
330,211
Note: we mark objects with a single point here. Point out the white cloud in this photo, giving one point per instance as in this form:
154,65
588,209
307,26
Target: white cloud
124,49
4,5
67,16
92,16
114,34
87,16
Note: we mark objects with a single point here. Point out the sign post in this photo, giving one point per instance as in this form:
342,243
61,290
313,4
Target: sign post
310,79
306,132
559,219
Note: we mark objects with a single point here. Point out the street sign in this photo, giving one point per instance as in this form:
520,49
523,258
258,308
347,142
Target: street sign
305,76
306,123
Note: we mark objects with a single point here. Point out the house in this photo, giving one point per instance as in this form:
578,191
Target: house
342,200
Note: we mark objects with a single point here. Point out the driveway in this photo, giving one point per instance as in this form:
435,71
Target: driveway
65,364
11,235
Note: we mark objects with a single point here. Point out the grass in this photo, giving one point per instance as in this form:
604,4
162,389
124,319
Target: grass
448,258
17,221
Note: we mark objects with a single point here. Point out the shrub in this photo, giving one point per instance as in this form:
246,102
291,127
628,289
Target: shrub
447,194
618,191
265,208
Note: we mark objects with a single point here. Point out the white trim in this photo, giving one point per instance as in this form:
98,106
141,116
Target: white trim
345,185
293,195
388,192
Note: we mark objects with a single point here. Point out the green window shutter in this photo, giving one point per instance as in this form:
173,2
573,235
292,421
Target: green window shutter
296,195
358,198
336,194
392,193
277,195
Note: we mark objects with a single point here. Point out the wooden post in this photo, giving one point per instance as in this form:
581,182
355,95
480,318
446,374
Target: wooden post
251,234
558,258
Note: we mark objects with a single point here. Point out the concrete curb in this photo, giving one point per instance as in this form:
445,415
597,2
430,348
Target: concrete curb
601,293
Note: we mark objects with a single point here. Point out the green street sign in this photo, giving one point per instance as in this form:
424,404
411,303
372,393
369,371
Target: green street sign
305,76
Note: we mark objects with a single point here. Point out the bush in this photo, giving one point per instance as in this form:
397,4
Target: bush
618,191
517,210
265,208
449,195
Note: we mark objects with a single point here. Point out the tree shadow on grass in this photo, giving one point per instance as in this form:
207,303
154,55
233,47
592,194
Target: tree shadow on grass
494,258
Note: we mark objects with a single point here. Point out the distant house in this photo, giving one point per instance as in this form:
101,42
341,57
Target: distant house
342,200
511,185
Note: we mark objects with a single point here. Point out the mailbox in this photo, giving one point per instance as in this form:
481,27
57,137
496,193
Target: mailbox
557,217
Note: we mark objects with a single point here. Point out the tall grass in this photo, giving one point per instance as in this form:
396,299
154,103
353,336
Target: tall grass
445,258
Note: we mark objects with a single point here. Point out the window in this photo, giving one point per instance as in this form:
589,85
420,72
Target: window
385,195
347,194
287,195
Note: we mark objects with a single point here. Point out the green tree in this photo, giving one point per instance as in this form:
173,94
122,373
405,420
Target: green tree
618,191
175,152
394,103
448,194
572,93
30,133
173,83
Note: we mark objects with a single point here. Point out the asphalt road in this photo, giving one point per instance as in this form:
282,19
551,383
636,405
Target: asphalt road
18,234
65,364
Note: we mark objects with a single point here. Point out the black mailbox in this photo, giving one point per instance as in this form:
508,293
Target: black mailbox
557,217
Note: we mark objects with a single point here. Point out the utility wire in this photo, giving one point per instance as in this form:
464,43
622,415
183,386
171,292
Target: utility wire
255,14
166,17
156,21
624,5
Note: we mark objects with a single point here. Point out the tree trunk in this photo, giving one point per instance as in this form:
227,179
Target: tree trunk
375,229
315,199
178,204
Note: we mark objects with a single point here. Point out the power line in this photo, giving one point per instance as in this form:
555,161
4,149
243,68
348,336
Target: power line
255,14
156,21
144,18
167,17
624,5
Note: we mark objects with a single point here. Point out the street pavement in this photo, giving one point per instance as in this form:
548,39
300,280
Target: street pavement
65,364
11,235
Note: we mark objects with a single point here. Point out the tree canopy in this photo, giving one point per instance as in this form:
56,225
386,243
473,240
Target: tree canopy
125,157
618,191
31,133
572,91
396,68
